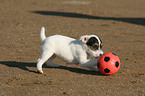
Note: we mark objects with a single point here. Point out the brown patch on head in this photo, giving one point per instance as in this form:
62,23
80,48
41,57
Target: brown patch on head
96,44
101,45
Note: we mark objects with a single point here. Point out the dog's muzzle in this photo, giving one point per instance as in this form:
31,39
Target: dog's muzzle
98,56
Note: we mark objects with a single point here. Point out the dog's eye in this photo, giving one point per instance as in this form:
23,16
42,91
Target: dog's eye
95,47
92,48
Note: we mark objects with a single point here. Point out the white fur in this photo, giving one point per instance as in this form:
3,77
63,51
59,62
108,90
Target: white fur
68,49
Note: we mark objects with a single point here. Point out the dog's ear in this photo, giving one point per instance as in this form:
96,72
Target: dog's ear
84,39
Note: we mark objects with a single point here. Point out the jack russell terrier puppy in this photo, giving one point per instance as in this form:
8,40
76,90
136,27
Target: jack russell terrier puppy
69,49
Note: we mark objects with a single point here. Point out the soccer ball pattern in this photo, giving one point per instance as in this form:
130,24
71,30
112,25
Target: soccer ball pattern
108,64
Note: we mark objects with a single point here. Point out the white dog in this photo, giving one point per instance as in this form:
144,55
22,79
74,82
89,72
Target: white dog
69,49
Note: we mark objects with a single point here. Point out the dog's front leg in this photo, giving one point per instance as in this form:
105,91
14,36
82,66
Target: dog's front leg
90,64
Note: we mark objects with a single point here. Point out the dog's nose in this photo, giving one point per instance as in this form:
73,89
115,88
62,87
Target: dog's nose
101,54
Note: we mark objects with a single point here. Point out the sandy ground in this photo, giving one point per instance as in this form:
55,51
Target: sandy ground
119,23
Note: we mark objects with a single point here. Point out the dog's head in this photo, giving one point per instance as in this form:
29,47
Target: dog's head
93,45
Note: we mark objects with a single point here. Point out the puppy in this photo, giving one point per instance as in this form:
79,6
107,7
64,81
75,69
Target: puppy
69,49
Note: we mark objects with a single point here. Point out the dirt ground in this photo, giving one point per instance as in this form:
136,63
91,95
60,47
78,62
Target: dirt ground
119,23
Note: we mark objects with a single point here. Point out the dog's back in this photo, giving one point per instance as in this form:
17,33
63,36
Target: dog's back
61,45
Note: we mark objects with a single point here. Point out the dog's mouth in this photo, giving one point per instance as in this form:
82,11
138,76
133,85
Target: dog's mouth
98,56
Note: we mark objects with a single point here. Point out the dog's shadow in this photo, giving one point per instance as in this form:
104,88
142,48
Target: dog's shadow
24,66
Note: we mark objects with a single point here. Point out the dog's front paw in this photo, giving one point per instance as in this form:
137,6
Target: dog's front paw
94,68
40,71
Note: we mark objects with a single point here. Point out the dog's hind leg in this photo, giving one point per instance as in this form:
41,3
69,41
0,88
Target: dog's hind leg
50,63
44,57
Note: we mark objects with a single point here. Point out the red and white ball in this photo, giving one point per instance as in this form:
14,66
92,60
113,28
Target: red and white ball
108,64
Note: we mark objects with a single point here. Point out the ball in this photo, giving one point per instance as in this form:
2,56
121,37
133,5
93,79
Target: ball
108,64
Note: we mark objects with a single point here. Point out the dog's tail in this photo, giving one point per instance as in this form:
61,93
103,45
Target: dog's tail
42,34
